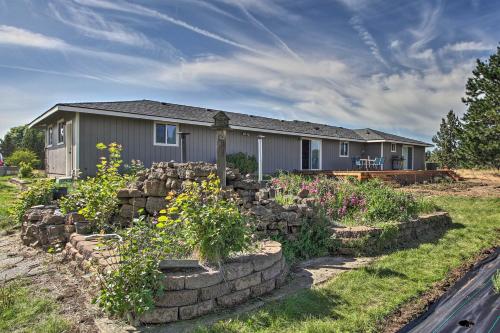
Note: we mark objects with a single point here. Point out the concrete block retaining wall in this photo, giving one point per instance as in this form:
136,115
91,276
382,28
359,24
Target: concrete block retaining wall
364,239
194,292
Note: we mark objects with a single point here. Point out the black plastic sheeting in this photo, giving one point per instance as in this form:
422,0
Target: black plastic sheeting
471,305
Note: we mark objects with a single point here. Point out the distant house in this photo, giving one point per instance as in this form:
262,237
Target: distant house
149,131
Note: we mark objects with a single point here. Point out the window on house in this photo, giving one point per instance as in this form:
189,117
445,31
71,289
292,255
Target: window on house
50,136
311,154
60,132
393,147
344,149
165,134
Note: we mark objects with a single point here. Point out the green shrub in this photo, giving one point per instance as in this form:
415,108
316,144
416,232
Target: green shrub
96,197
40,192
130,289
133,168
210,224
243,162
313,240
23,155
25,170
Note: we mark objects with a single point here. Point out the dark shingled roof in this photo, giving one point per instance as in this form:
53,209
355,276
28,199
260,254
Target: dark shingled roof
191,113
371,134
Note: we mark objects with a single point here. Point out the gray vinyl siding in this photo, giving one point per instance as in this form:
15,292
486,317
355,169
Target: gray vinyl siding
56,154
331,155
279,152
135,136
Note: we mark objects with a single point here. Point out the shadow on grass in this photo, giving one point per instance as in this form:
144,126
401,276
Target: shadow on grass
306,304
392,243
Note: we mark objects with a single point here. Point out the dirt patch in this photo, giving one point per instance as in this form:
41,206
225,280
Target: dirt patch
467,187
417,306
46,274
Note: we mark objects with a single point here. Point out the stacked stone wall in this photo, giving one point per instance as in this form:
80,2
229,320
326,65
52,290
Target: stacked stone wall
255,201
46,226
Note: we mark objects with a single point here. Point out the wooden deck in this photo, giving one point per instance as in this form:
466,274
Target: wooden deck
400,176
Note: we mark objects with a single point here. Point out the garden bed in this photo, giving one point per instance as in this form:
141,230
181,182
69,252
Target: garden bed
189,293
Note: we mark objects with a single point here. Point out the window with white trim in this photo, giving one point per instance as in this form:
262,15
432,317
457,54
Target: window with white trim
344,149
165,134
60,132
393,147
50,136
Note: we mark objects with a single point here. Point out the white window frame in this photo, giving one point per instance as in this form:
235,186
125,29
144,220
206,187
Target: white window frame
340,148
166,136
64,135
393,144
320,153
50,136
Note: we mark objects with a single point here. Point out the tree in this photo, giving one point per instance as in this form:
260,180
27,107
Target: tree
447,141
480,139
12,140
23,138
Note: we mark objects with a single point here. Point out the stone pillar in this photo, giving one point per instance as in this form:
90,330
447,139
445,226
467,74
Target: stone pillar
183,136
221,126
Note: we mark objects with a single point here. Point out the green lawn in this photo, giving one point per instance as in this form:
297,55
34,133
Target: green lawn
358,301
23,309
8,194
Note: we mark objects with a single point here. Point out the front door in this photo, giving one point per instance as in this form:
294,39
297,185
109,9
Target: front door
408,157
69,148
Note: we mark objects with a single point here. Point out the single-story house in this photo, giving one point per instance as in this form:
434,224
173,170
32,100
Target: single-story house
149,132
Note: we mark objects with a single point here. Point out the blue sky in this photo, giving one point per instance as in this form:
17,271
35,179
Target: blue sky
397,66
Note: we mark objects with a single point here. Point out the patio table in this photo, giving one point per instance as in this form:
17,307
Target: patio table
366,162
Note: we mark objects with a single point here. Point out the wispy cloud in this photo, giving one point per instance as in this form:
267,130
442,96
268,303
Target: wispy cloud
95,25
284,46
144,11
367,38
17,36
468,46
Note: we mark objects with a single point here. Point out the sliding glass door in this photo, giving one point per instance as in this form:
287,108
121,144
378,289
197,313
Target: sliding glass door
311,154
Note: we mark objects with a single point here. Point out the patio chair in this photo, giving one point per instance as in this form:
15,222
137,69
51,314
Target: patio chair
356,163
378,163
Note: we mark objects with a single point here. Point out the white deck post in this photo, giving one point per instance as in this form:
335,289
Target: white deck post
259,146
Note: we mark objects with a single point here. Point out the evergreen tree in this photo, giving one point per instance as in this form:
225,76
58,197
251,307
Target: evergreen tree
480,139
447,141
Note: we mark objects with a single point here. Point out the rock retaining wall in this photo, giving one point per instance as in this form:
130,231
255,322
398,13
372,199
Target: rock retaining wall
364,239
255,201
194,292
46,226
